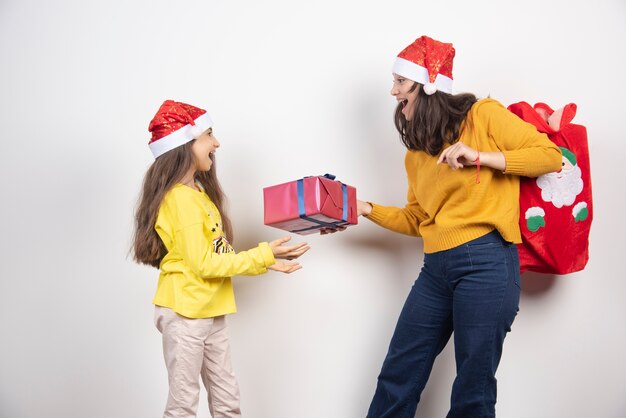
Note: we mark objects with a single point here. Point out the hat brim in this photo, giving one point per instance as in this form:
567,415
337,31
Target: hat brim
417,73
180,137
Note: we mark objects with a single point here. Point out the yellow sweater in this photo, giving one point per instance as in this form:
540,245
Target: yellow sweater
447,207
195,272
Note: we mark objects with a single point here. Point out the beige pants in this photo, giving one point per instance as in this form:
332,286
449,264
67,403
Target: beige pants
194,348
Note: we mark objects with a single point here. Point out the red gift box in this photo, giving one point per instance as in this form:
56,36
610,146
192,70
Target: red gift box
304,206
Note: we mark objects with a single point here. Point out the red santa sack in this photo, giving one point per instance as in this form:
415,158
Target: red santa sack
556,209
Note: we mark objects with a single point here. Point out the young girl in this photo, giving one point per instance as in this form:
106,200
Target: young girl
463,160
182,229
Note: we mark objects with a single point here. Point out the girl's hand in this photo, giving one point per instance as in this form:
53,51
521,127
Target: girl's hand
288,252
285,267
458,155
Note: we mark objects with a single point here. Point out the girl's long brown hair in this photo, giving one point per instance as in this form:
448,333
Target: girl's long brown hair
437,120
165,172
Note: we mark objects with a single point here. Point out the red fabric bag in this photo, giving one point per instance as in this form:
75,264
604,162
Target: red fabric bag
556,209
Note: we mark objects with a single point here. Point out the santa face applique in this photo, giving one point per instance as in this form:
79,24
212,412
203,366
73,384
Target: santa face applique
561,189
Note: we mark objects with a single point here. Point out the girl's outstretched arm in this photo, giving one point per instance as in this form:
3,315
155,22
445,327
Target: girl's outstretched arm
205,258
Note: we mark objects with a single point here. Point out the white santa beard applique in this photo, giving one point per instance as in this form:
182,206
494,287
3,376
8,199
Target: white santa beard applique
561,188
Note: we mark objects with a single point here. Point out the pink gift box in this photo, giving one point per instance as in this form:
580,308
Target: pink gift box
306,205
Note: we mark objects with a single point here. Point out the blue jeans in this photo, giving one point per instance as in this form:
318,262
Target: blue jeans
473,290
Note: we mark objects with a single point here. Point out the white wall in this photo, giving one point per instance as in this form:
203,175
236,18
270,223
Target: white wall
295,89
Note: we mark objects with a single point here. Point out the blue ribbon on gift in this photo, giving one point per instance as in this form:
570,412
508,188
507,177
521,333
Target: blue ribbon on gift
321,224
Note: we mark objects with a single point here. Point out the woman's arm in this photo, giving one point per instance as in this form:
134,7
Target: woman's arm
524,150
527,151
404,220
460,155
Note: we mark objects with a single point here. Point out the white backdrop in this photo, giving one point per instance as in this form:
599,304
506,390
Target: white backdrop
295,89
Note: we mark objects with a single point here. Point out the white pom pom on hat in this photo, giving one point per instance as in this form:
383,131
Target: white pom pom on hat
430,88
195,131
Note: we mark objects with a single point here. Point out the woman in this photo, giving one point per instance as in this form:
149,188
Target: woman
463,161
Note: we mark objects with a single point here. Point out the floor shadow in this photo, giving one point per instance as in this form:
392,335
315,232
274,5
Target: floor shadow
537,283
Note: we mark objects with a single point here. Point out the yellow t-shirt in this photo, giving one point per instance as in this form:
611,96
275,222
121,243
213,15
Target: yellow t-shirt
448,207
195,272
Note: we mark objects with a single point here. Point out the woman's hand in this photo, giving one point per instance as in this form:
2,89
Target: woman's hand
285,267
324,231
288,252
363,208
458,155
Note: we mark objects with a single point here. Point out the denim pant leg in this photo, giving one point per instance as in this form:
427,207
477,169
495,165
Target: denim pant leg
485,276
422,331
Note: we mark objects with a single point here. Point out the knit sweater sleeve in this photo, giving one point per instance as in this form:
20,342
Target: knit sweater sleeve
527,151
404,220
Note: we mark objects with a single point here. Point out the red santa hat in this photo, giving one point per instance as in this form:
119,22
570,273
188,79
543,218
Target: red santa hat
428,62
175,124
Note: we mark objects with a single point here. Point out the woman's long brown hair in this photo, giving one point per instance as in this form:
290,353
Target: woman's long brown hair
165,172
437,120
